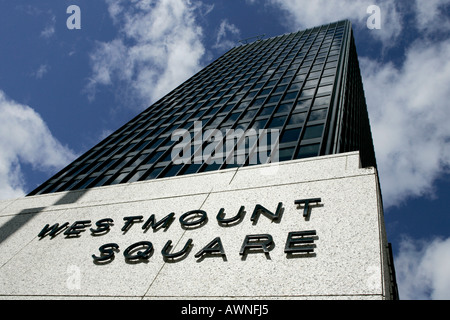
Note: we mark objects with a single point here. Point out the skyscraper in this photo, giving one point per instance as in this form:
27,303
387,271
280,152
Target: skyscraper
305,85
262,164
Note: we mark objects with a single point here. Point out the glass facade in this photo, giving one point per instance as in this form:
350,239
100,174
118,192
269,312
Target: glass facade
303,89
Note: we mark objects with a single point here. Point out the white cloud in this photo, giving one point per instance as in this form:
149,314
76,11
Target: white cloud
26,140
41,71
221,40
431,15
157,48
422,269
307,14
49,29
409,114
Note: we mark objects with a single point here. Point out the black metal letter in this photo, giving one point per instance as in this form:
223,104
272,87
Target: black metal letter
167,246
263,241
52,231
76,228
300,242
129,221
214,246
221,214
165,222
193,223
260,209
306,202
103,225
140,254
106,252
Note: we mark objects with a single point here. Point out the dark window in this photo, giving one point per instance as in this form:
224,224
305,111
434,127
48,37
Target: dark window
286,154
153,173
313,132
308,151
290,135
325,89
302,104
297,118
137,176
193,168
274,99
172,171
307,92
290,96
154,157
267,111
277,122
318,115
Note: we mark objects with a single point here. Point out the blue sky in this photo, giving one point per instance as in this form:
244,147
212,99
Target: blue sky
62,90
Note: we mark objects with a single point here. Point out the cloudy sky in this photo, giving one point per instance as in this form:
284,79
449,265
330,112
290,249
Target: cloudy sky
69,78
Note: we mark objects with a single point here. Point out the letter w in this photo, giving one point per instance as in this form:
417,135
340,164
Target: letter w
52,231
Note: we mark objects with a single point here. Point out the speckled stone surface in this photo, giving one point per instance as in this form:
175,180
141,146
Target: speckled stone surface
349,246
